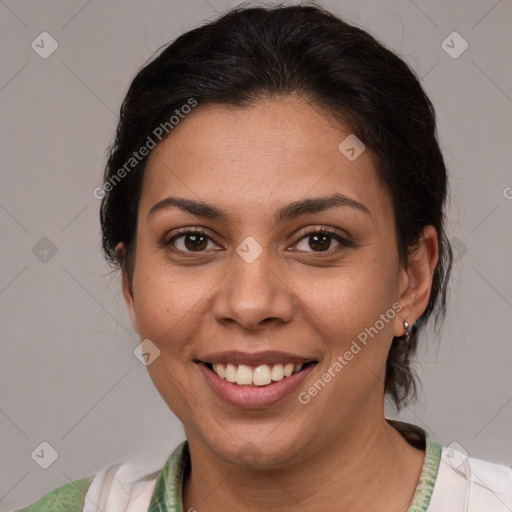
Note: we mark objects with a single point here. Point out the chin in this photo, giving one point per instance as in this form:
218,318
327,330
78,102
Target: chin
256,447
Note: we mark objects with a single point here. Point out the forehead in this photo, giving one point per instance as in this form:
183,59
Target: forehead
275,151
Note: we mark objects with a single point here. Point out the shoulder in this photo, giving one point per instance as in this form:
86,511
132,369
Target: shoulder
128,486
66,498
463,481
135,485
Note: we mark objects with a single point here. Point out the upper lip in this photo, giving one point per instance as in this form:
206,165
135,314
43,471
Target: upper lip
255,358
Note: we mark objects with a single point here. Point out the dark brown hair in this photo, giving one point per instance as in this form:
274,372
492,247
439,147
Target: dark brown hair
249,53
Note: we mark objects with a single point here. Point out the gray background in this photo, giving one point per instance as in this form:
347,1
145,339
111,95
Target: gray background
67,371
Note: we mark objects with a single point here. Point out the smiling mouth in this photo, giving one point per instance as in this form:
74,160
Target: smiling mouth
261,375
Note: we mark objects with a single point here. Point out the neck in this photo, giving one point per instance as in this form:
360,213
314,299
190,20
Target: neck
360,470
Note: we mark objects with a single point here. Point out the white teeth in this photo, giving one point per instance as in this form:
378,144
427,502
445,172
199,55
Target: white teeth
230,373
243,375
288,369
277,372
264,374
219,370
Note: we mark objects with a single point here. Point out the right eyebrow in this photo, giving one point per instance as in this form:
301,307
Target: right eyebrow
198,208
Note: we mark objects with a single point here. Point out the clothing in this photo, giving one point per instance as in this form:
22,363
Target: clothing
449,482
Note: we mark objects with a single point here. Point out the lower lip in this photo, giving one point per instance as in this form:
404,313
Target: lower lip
254,396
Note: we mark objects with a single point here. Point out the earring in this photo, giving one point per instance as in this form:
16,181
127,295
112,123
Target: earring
407,332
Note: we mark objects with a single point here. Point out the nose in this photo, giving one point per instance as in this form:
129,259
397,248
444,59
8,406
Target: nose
254,294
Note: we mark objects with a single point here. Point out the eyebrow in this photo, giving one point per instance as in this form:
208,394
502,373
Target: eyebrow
286,213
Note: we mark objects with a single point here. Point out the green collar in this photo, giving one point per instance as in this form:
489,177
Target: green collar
423,493
168,492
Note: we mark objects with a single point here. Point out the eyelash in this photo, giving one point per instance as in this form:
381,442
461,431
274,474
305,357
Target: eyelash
314,231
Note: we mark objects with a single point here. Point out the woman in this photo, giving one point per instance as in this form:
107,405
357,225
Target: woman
275,201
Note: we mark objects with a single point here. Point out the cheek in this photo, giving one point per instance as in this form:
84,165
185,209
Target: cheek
353,309
351,296
161,300
164,306
171,303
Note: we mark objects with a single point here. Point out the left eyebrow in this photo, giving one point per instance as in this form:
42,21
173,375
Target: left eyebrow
318,204
286,213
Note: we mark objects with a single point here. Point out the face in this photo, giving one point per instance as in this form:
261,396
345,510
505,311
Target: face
269,273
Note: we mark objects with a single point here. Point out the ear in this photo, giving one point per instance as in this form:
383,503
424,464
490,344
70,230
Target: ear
416,279
127,288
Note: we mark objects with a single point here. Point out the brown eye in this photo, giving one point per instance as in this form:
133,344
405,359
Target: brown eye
320,240
190,241
195,242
